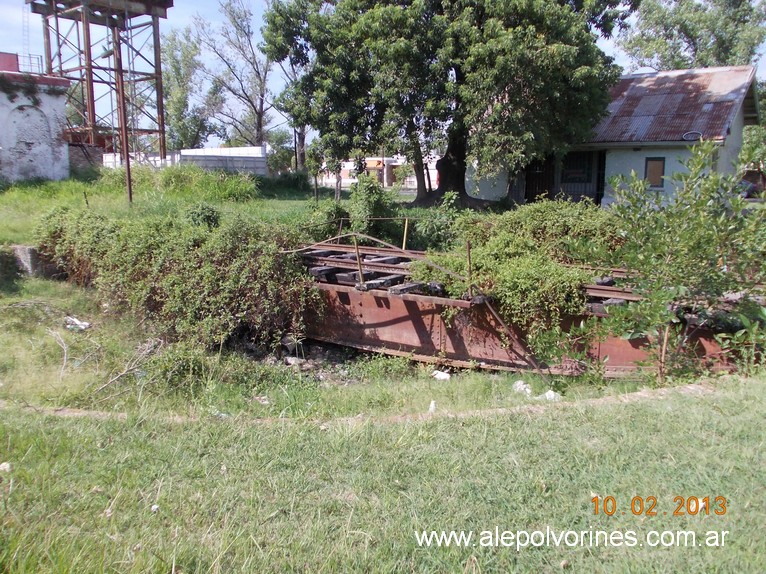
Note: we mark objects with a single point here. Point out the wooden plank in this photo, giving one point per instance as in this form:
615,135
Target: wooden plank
323,271
406,288
319,253
380,282
384,260
353,277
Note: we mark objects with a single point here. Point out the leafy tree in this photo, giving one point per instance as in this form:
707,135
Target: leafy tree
604,15
503,82
242,73
281,153
279,34
680,34
187,112
754,144
683,251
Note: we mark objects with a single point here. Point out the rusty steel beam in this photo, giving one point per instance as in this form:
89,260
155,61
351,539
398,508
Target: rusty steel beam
416,326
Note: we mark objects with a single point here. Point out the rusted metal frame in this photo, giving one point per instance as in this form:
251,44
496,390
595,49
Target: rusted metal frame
122,112
435,360
158,86
359,263
351,264
404,296
367,249
605,292
90,103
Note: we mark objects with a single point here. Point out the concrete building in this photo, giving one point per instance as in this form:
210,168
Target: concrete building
32,122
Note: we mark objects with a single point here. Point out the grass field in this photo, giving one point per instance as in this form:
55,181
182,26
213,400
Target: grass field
249,466
151,495
22,205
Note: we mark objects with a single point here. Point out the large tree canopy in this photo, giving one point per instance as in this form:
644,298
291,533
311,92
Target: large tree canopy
678,34
239,74
187,109
502,82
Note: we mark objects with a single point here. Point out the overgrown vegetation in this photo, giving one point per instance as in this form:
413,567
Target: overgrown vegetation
519,260
685,250
213,285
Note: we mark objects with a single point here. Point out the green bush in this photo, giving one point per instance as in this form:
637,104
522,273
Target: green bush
369,207
286,184
184,180
325,219
203,214
684,249
210,286
566,231
435,229
76,241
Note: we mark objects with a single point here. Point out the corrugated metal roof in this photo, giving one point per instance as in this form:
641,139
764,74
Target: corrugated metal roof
663,106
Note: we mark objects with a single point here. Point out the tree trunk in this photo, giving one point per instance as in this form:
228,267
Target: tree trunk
451,169
420,177
300,148
337,186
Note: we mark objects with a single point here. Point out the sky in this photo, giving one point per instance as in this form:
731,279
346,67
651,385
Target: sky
12,19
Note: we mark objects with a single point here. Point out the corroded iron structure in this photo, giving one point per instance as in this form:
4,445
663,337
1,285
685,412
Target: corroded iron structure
370,302
110,50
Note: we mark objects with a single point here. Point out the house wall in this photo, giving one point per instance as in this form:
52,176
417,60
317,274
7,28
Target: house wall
728,155
31,138
492,188
623,161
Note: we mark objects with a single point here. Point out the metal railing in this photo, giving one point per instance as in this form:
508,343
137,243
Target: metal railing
30,63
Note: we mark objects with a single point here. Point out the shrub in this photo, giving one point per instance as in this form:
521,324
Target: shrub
76,241
210,286
565,230
684,250
368,207
286,183
203,214
436,229
325,218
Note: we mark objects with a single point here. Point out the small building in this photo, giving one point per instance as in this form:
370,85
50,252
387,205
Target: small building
652,122
32,122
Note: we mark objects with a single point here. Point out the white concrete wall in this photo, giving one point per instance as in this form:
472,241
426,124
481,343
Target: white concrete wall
31,141
493,188
251,159
728,154
623,161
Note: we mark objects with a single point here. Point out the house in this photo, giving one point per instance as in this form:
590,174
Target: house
652,121
32,118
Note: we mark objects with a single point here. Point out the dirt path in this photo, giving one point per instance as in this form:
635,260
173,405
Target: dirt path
705,388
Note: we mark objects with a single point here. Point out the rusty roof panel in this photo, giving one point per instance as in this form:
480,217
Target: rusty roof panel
663,106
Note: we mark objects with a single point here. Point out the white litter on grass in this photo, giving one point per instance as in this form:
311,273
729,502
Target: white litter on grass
522,387
5,467
264,400
155,508
432,407
550,395
74,324
440,375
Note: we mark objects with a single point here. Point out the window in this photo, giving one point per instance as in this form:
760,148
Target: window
655,171
576,167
